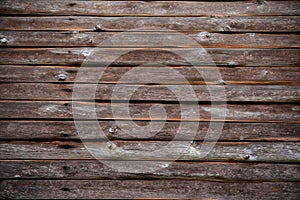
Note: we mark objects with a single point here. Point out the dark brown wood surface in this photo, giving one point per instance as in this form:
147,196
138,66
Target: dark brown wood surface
139,111
34,91
147,189
255,47
41,91
137,56
94,169
267,24
65,130
230,75
205,39
149,8
142,150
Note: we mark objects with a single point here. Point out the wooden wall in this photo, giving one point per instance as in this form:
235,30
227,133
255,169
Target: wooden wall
255,45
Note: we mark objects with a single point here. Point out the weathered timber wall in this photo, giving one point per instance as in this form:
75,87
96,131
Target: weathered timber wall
255,46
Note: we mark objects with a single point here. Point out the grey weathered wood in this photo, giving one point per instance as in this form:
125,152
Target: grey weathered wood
149,8
143,150
136,56
61,130
210,24
94,169
230,75
95,189
205,39
63,110
40,91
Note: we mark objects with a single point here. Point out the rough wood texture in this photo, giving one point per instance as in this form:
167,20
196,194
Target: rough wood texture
211,24
96,189
94,169
255,45
137,56
143,150
149,8
62,130
34,91
205,39
63,110
230,75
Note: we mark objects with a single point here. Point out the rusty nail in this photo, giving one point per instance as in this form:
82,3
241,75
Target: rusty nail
246,157
3,40
62,77
98,28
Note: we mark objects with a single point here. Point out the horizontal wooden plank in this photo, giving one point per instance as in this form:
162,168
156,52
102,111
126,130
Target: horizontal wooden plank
149,8
210,24
136,56
205,39
93,169
230,75
44,91
84,110
147,150
62,189
61,130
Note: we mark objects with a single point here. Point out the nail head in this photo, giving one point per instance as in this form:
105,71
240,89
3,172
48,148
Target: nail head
3,40
227,28
112,130
221,82
110,145
62,77
98,28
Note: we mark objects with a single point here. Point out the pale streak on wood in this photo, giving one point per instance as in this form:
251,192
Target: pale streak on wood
63,110
143,150
211,24
94,169
231,75
194,189
149,8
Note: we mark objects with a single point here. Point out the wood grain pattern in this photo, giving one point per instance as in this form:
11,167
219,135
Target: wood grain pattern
65,130
149,8
34,91
211,24
94,169
63,110
137,56
255,46
147,189
230,75
205,39
143,150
